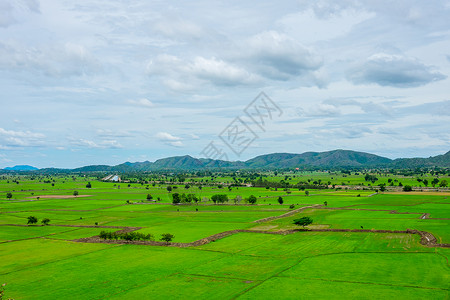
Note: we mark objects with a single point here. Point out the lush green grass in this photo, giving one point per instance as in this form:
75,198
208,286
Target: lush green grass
40,262
293,288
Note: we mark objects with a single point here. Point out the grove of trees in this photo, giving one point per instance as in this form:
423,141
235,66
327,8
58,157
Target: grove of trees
127,236
219,198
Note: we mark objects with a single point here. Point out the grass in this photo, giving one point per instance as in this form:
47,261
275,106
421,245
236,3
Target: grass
42,262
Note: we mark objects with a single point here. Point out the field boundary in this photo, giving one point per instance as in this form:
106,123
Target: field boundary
426,238
288,214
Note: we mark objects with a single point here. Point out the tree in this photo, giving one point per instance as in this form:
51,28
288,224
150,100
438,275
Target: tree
167,237
219,198
443,183
9,195
169,188
369,177
176,199
425,182
149,197
434,182
195,198
88,185
252,199
187,186
280,200
75,193
304,221
306,193
407,188
45,221
325,203
32,220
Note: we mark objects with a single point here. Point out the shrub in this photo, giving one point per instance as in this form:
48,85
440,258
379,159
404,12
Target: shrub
252,199
304,221
167,237
280,200
127,236
32,220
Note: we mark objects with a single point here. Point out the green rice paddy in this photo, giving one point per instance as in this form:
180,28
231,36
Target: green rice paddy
44,262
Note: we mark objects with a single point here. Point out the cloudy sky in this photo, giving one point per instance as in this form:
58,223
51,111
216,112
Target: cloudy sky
104,82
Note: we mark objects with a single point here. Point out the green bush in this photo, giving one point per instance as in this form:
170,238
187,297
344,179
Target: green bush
127,236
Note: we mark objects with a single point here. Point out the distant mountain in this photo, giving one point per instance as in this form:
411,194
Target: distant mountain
21,168
177,162
137,166
322,160
442,161
94,168
335,158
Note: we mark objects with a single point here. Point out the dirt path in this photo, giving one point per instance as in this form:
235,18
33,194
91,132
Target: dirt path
58,196
123,228
427,239
288,214
422,215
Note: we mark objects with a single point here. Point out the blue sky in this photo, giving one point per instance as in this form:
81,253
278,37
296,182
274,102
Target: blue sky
104,82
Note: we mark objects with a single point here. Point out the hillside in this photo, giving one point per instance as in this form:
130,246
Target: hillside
21,168
325,160
335,158
442,161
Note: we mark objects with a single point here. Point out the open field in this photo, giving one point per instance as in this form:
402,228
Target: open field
253,261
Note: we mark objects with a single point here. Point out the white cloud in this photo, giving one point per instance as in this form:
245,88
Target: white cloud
109,133
56,61
320,110
12,138
69,67
165,136
280,57
180,73
220,72
10,10
178,28
169,139
143,102
393,70
104,144
176,144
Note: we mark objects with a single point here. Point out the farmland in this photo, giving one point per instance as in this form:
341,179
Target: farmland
271,258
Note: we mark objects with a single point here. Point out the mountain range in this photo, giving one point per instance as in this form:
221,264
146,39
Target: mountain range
21,168
318,160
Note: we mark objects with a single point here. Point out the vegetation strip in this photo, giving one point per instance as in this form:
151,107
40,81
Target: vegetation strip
423,216
288,214
427,239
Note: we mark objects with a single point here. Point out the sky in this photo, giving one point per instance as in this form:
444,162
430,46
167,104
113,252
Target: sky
104,82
